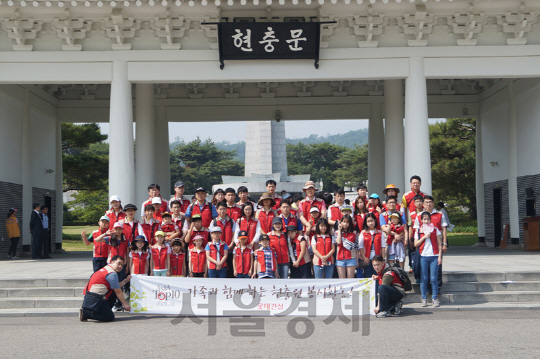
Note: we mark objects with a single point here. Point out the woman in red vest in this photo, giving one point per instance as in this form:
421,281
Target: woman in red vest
266,214
347,245
360,212
323,246
278,242
116,213
429,239
248,223
370,244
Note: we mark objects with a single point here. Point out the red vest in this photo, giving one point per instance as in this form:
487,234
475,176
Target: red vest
324,246
413,219
179,222
157,216
280,246
159,257
395,277
242,260
130,232
226,230
436,219
162,209
184,203
305,207
139,262
398,207
250,226
433,238
359,218
234,212
101,249
291,221
278,203
168,228
206,213
409,200
297,249
120,249
342,252
399,229
98,279
149,230
113,217
198,260
336,213
177,263
262,262
205,234
213,254
377,238
265,219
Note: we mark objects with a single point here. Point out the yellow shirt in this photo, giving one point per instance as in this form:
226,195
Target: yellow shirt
12,226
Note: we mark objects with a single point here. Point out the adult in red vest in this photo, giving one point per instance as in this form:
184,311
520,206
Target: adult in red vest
298,251
360,211
370,244
278,242
249,224
390,289
334,211
179,189
429,240
323,245
115,213
271,189
407,202
154,191
310,200
233,210
266,213
201,206
287,217
389,191
101,292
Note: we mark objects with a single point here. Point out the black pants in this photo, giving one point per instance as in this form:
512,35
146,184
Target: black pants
230,268
37,246
46,242
301,272
105,314
198,274
13,248
98,263
388,297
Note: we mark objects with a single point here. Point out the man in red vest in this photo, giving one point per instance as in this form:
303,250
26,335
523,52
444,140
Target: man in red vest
179,189
206,209
154,191
407,202
102,291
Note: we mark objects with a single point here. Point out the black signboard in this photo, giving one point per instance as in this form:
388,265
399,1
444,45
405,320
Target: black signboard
268,40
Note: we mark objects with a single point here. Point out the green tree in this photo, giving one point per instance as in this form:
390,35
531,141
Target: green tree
87,207
453,162
319,159
85,158
353,169
201,164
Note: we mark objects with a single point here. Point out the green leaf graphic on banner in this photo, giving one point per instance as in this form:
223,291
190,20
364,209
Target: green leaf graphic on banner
134,298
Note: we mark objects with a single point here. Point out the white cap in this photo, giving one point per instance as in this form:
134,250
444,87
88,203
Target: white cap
115,198
156,200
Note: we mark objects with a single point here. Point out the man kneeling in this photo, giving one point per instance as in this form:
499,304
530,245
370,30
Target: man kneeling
101,292
390,289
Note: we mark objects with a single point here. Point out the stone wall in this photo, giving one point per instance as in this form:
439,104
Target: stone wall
10,197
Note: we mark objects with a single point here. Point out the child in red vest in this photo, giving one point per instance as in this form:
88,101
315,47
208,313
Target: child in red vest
101,249
149,224
347,245
177,259
115,214
216,254
397,249
370,244
160,256
197,259
170,229
139,256
324,246
299,254
243,258
266,260
195,229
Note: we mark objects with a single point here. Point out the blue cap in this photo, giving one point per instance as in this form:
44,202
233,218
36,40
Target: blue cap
374,195
104,218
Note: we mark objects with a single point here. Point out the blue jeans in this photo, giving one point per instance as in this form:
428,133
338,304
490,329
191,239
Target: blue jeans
240,275
323,271
213,273
365,272
430,272
283,270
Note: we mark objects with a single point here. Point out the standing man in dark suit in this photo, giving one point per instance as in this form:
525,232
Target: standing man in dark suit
36,228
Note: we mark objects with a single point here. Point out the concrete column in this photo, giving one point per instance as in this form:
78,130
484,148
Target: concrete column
279,148
121,161
480,207
145,148
394,140
258,148
512,168
376,150
59,186
26,166
163,172
417,150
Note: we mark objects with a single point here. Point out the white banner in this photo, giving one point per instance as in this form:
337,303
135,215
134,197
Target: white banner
252,297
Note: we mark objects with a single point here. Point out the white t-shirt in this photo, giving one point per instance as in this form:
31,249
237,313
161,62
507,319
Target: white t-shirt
428,248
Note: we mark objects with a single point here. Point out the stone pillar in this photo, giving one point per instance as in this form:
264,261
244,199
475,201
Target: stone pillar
59,185
279,148
145,148
121,161
258,148
512,170
26,169
163,173
376,150
417,150
480,207
394,140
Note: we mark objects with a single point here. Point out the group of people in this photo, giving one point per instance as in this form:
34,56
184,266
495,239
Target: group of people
40,229
315,235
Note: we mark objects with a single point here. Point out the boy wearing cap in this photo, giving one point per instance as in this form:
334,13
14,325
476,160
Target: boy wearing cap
132,228
216,255
170,229
234,211
266,260
154,191
278,242
201,206
310,201
101,249
179,189
115,213
197,259
334,211
242,258
177,259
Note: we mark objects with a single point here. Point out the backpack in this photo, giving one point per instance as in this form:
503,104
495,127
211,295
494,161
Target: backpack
403,276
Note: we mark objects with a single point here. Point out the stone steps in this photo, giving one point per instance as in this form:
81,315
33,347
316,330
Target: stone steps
479,297
41,292
486,286
40,302
40,283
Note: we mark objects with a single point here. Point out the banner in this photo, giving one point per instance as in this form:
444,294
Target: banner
252,297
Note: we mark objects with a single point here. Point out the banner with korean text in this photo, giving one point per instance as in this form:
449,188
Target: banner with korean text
252,297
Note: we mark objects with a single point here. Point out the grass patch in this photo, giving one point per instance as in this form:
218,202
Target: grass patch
458,239
75,245
71,238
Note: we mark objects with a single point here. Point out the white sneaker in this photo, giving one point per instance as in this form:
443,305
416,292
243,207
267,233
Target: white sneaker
424,302
436,303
